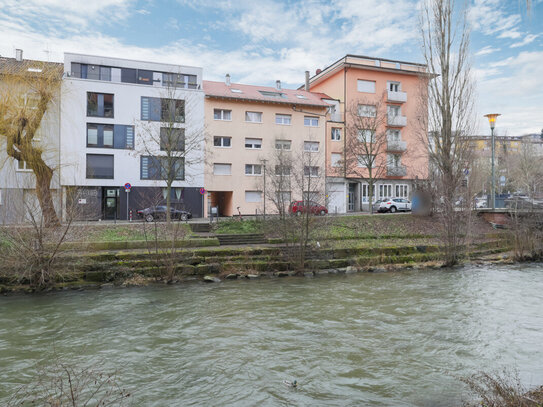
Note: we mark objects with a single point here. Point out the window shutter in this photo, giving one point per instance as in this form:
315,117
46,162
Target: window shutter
129,136
144,168
119,136
155,109
145,108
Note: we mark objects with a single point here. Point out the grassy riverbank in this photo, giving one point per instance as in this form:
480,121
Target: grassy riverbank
93,255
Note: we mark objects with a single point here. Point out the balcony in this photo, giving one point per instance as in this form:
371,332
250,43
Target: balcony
336,117
399,171
397,121
397,96
396,145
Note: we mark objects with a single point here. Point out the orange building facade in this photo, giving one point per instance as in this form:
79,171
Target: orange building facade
353,84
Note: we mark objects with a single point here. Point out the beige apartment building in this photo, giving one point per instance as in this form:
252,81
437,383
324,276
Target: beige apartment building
256,134
370,87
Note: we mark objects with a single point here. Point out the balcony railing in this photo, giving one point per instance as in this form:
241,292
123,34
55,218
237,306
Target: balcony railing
336,117
399,171
397,121
396,145
397,96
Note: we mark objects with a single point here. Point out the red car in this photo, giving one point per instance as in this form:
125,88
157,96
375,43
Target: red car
298,207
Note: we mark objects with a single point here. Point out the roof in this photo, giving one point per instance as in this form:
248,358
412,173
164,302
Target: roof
263,94
10,66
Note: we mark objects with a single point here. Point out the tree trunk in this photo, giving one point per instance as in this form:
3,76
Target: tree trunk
168,201
44,174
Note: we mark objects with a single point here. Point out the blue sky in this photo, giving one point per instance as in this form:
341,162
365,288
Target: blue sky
259,41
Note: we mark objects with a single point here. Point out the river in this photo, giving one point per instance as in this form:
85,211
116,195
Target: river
387,339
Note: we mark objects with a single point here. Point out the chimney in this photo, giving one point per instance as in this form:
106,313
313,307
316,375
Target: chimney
318,71
18,54
278,85
227,79
307,80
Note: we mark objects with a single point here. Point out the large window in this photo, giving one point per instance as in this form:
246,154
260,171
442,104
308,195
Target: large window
100,104
311,121
335,160
366,136
145,77
253,117
253,169
221,141
312,146
394,110
162,168
100,166
366,161
253,196
253,143
282,170
283,119
181,80
366,193
394,135
282,144
366,86
367,110
222,169
110,136
172,139
165,110
402,191
221,114
385,191
311,171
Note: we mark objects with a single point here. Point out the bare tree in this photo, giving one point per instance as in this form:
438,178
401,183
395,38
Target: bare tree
449,109
175,144
366,143
27,92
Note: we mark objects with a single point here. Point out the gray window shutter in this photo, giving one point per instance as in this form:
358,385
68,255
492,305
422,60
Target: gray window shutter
156,108
130,137
144,168
119,136
145,108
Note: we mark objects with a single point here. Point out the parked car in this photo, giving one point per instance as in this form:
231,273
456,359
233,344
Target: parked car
523,202
480,203
298,207
159,212
394,205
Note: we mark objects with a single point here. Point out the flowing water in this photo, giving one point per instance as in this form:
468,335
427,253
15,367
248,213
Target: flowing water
390,339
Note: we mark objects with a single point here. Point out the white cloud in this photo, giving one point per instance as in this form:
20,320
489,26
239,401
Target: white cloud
527,40
487,50
490,17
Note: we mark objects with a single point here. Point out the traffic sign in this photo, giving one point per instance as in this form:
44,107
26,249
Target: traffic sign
202,191
127,187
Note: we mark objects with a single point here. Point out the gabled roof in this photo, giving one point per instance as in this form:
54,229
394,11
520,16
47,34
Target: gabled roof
263,94
10,66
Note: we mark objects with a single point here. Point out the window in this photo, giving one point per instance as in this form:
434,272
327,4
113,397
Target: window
99,166
367,110
310,171
385,191
222,169
282,144
336,134
394,86
110,136
283,197
253,169
220,141
366,86
311,121
394,135
166,110
272,94
394,160
253,117
282,170
336,160
23,166
253,143
162,168
145,77
366,161
301,96
253,196
172,139
105,73
312,146
283,119
366,136
366,193
402,191
236,90
99,104
220,114
183,81
394,110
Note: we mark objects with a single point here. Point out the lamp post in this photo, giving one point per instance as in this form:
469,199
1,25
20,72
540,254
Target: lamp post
492,121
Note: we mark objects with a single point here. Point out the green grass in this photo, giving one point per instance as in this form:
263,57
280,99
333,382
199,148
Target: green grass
237,227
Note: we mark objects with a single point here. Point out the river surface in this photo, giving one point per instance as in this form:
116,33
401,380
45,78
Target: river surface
389,339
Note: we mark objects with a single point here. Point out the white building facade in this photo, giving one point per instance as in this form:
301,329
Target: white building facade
112,114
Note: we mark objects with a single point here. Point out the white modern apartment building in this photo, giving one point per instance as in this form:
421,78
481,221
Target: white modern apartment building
113,115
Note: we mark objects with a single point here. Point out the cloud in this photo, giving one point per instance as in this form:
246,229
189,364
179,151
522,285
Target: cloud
490,17
527,40
172,23
487,50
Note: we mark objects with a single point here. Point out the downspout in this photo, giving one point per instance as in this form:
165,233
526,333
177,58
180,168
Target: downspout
345,122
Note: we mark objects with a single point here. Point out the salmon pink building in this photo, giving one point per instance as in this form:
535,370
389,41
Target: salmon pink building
247,128
359,83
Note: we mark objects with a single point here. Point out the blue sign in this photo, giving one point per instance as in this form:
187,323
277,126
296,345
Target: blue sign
202,191
127,186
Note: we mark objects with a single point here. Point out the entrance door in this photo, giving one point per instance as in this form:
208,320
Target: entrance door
352,196
111,203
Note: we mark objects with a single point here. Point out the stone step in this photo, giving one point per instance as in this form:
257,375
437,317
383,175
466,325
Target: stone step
200,227
248,238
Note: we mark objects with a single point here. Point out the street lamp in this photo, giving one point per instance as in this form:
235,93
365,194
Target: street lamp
492,121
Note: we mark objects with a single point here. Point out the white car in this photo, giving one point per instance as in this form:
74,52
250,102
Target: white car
394,205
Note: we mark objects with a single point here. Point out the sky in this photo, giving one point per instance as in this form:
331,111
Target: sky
260,41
